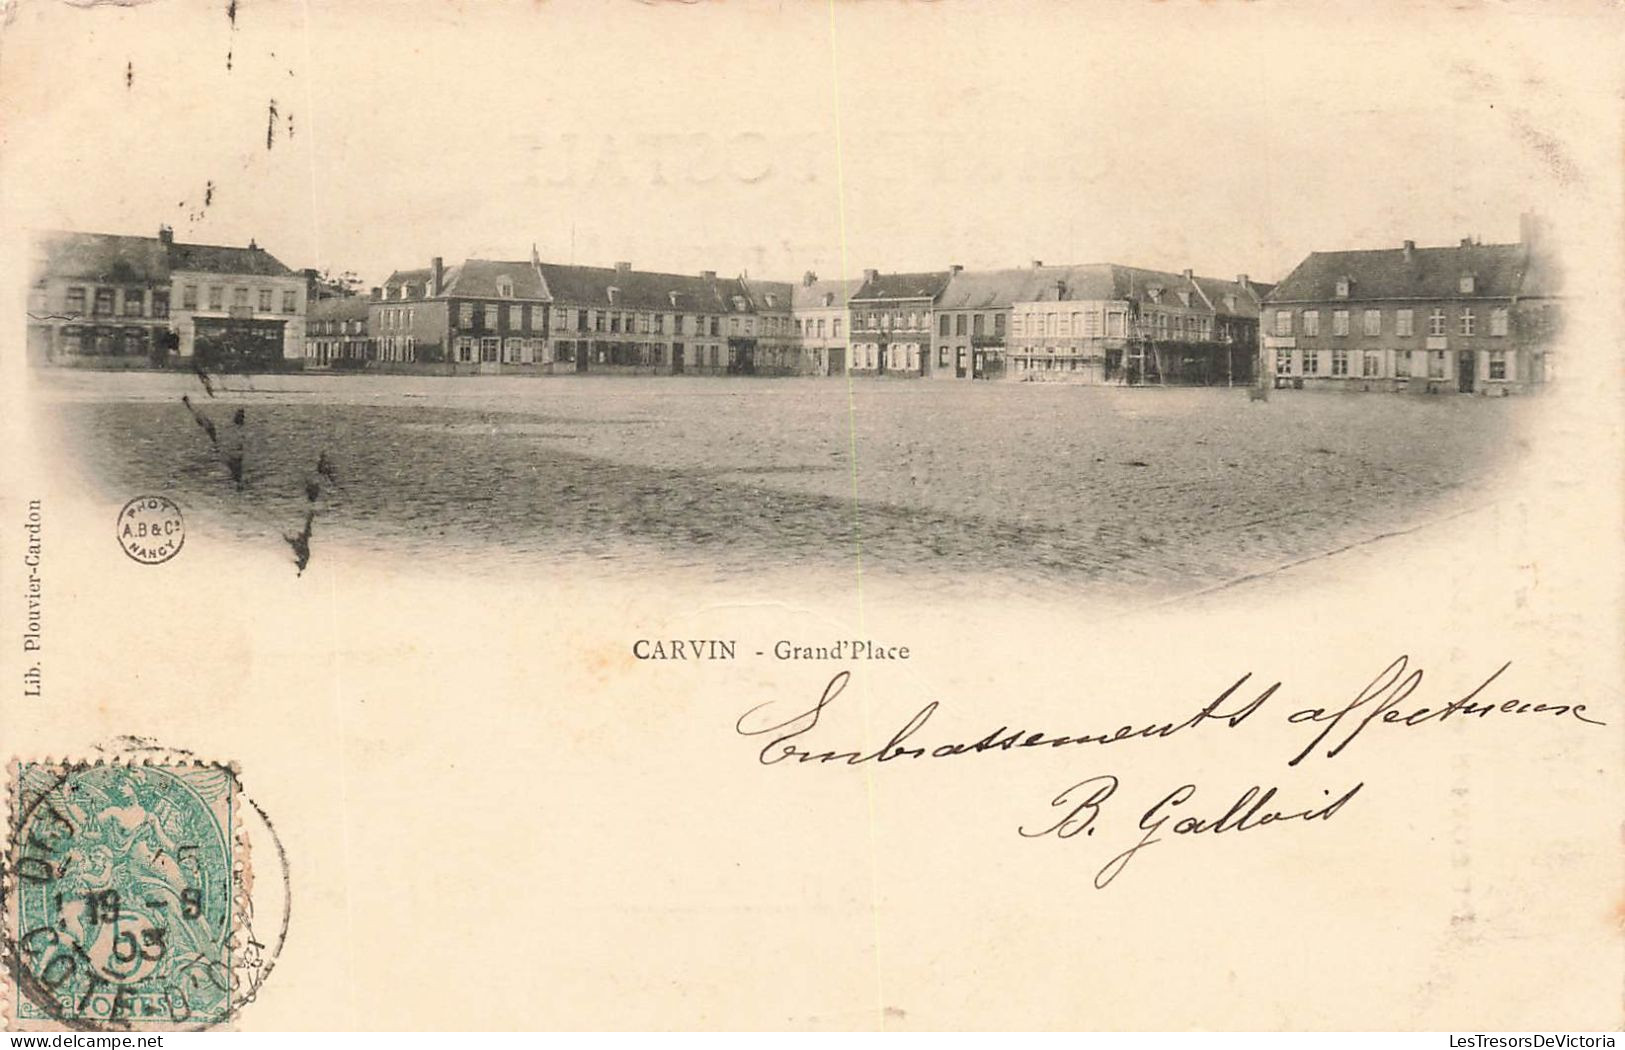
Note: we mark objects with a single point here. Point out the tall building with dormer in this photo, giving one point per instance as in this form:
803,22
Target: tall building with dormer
1468,318
482,315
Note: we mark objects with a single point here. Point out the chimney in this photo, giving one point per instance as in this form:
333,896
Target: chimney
955,268
1241,279
437,276
377,294
1410,250
809,279
1189,274
1466,242
623,267
1531,230
871,275
535,256
253,247
1037,263
166,234
705,275
1060,290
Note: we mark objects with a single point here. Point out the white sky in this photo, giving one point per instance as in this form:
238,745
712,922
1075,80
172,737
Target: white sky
780,137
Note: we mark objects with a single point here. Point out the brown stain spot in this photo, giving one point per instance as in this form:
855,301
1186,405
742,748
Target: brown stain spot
604,661
896,1013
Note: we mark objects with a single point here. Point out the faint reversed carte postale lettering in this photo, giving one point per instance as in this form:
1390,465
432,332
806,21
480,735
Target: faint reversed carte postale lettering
151,529
122,907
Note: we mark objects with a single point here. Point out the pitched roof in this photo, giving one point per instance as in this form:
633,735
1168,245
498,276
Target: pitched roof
904,286
1398,273
998,289
117,257
1221,294
768,295
639,289
482,277
994,289
1089,282
806,296
1114,281
339,308
101,257
400,277
214,258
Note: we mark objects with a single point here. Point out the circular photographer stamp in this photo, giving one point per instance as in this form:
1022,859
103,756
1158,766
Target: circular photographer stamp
151,529
130,898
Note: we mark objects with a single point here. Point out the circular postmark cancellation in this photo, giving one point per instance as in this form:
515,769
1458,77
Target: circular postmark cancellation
131,902
151,529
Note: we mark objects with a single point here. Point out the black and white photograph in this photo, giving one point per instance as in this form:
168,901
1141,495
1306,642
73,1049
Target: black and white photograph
895,440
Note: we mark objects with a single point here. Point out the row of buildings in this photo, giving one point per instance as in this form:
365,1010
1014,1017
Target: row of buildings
1470,317
1103,323
107,297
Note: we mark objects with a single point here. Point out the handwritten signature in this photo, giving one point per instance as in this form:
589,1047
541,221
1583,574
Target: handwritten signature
1255,808
1384,701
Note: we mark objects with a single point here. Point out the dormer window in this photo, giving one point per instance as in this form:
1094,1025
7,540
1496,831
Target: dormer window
1230,303
1468,283
1185,298
505,287
1342,287
739,303
829,298
1155,292
673,297
771,300
614,295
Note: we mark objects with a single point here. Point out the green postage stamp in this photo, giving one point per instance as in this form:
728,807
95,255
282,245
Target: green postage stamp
125,889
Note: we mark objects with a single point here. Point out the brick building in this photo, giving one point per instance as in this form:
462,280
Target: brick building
971,322
890,321
336,333
483,315
634,321
1470,318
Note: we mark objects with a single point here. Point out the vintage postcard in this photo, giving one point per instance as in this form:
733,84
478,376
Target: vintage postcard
811,515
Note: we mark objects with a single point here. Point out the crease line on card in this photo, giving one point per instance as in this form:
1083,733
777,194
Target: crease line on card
857,520
1275,570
